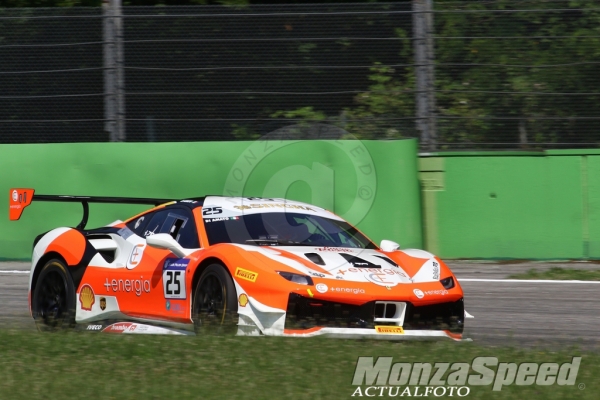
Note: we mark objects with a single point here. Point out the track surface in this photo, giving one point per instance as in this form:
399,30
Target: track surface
506,313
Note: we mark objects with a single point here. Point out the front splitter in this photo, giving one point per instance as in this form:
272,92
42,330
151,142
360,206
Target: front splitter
360,333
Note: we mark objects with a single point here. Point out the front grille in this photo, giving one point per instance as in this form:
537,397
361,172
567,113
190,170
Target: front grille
447,316
384,310
305,313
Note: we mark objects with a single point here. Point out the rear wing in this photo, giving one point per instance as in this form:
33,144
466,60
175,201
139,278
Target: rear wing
21,198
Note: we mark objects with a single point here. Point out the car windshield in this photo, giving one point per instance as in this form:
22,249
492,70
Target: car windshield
285,229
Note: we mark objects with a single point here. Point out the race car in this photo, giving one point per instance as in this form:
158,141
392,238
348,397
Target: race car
239,265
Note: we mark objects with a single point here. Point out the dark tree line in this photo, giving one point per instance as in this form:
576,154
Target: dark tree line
503,77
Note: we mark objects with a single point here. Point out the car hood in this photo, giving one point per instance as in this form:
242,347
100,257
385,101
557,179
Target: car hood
348,264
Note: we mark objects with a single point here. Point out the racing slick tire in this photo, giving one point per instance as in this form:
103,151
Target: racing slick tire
53,301
214,304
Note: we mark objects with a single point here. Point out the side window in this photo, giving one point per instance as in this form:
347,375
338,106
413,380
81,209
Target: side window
138,224
179,223
156,222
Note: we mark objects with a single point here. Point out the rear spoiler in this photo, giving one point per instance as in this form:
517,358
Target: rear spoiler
21,198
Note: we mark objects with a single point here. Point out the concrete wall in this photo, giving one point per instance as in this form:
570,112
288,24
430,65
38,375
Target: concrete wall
372,184
512,205
542,205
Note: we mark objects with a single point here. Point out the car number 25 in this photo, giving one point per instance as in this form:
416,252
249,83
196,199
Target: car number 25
174,284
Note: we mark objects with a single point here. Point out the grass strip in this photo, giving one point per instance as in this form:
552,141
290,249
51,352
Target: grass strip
102,366
557,273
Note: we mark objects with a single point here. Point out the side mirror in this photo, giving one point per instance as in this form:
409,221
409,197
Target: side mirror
388,245
166,242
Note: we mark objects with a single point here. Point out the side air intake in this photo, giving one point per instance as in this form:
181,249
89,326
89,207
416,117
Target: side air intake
314,257
358,262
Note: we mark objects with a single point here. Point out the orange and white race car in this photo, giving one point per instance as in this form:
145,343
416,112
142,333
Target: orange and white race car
248,266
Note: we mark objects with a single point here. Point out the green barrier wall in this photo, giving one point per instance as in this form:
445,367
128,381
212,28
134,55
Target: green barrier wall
372,184
520,205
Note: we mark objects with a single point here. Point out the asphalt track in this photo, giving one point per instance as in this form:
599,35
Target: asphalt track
538,314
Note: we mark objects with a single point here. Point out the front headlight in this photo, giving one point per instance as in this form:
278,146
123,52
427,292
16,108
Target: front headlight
447,283
296,278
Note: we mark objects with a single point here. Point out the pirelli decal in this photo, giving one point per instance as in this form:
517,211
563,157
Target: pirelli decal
394,330
246,275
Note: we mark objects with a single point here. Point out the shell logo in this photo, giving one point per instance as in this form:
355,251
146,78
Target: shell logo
87,297
243,299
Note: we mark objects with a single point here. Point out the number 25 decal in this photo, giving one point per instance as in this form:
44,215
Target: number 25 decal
174,284
173,280
212,210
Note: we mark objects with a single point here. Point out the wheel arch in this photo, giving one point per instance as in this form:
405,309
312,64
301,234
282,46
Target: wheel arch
41,262
203,265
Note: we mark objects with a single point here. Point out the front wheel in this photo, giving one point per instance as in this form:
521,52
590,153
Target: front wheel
214,308
53,301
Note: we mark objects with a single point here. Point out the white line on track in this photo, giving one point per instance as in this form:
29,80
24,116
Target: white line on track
460,280
524,280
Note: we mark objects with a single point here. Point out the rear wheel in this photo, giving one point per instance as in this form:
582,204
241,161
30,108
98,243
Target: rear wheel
214,308
53,301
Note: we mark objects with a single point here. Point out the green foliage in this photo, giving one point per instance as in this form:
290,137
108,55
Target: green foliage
50,3
98,3
244,132
307,113
499,77
517,58
386,109
509,77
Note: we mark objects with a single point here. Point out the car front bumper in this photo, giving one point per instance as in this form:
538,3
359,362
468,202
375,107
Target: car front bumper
309,317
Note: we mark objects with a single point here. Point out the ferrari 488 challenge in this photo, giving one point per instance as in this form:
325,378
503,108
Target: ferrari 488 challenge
247,266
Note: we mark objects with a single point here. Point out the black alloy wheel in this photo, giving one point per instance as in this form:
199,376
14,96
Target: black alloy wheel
214,308
53,302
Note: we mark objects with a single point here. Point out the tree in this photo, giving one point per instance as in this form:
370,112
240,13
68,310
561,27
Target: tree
503,77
